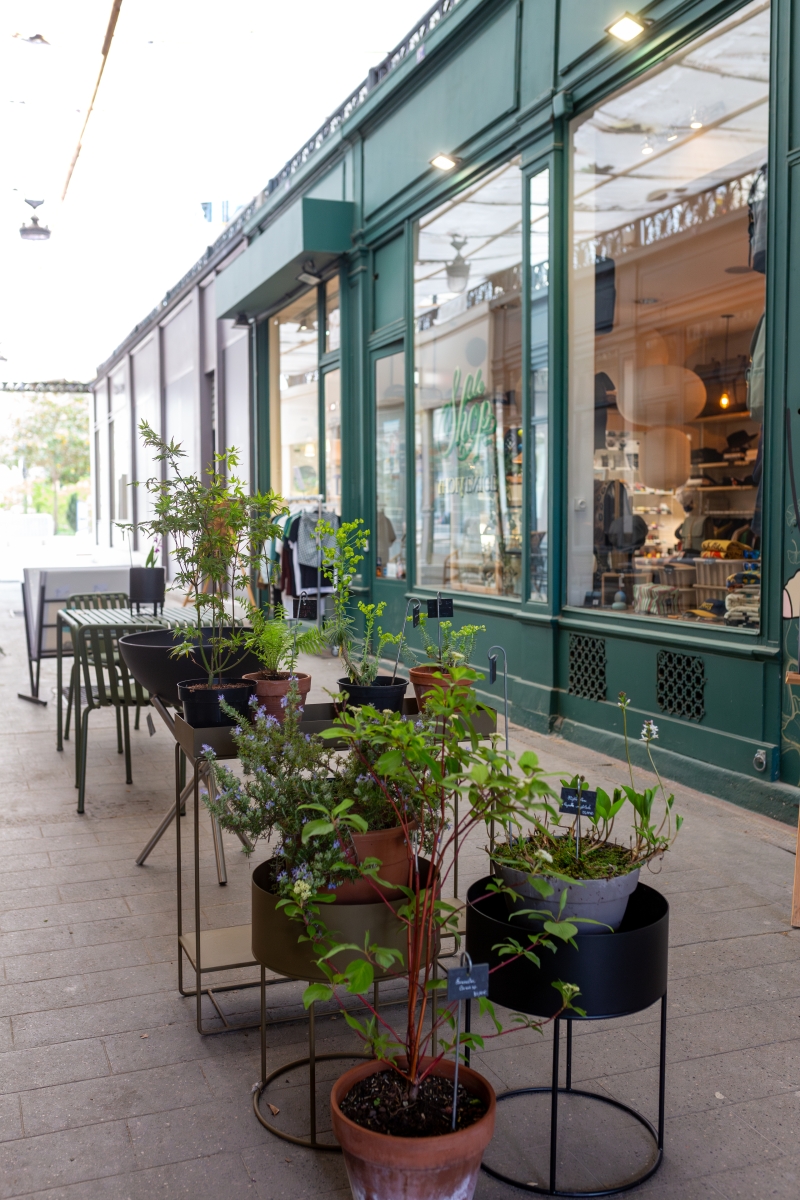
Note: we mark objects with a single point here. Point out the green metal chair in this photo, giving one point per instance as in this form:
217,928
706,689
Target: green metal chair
107,682
95,600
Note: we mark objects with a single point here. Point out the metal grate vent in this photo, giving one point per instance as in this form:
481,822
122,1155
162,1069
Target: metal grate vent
587,667
681,680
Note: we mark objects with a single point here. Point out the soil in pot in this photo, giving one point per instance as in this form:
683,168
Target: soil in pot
425,678
380,1103
201,701
442,1166
272,690
391,847
381,693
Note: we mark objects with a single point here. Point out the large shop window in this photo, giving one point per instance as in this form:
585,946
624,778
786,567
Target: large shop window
468,389
667,297
332,399
390,465
540,375
294,399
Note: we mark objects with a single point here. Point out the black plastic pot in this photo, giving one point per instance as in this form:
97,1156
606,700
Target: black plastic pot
381,693
147,656
617,973
147,585
201,704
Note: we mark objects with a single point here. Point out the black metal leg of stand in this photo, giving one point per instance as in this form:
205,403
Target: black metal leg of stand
263,1026
312,1073
569,1056
554,1106
662,1071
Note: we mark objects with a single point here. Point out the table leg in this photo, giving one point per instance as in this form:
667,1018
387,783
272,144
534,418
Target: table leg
197,964
554,1105
219,849
183,796
178,864
59,672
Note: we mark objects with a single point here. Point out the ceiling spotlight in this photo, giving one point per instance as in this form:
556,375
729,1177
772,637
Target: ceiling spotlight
625,28
445,162
648,147
34,232
458,269
672,136
695,122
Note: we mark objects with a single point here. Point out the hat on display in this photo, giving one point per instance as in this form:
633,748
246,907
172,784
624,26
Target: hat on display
709,610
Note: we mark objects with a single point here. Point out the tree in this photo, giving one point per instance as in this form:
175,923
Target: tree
53,437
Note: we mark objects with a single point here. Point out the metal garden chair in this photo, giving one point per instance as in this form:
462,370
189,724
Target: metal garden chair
94,600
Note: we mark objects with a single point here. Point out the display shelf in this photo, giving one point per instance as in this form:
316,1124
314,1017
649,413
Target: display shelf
220,949
740,415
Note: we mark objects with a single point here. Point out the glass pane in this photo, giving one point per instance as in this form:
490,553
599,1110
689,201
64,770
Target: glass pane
332,315
294,399
540,344
333,440
667,332
468,389
390,470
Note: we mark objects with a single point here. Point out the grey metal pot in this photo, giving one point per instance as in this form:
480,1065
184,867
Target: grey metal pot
602,900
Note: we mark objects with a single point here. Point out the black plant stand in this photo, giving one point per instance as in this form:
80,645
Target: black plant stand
618,974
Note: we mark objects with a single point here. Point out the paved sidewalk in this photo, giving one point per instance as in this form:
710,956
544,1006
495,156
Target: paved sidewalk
107,1090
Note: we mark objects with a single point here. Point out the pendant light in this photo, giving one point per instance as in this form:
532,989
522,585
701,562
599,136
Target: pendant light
458,269
34,232
725,399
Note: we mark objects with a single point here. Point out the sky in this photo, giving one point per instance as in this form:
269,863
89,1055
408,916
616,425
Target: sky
200,102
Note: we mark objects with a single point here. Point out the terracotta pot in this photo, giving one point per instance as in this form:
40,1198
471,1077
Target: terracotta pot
381,1167
270,692
275,936
424,678
391,847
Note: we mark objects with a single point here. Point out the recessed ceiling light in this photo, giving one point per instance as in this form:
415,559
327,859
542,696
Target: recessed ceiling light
444,162
625,28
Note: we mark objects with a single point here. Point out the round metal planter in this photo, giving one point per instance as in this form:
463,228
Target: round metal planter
617,973
275,936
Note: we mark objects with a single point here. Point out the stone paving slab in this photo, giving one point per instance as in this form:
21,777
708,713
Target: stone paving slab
107,1091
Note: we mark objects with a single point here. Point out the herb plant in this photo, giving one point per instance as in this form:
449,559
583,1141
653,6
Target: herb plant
215,531
454,650
436,760
550,848
341,554
276,643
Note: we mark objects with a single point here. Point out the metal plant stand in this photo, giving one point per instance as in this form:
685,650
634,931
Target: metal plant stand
618,974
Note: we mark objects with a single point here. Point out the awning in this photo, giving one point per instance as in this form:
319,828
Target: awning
317,230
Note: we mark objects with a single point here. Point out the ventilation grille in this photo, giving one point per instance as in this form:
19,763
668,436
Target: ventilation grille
587,667
681,680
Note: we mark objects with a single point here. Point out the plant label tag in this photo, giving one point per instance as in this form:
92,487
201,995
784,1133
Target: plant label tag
582,804
492,668
439,608
305,608
415,614
464,983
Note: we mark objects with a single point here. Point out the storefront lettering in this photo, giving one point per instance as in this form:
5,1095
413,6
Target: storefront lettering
465,485
469,417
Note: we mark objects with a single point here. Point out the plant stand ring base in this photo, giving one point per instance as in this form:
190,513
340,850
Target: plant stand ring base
620,1187
310,1142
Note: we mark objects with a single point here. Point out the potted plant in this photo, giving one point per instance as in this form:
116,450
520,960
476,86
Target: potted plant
328,818
452,648
276,644
402,1130
341,554
147,584
215,531
578,869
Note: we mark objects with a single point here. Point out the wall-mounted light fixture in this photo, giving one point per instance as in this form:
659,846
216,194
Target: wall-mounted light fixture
242,321
445,162
309,274
626,27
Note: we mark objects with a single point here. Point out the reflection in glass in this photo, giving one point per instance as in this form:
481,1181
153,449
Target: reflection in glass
468,389
390,470
667,331
332,382
540,343
294,398
332,315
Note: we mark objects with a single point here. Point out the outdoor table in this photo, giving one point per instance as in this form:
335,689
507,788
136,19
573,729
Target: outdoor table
79,621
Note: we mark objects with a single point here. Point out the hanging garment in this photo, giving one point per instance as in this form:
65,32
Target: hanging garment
305,578
308,549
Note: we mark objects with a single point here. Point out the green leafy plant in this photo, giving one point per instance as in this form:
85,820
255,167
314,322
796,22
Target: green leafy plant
276,643
215,532
551,848
451,648
152,555
294,786
458,782
341,553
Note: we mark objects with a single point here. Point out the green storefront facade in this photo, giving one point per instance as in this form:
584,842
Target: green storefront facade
536,374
